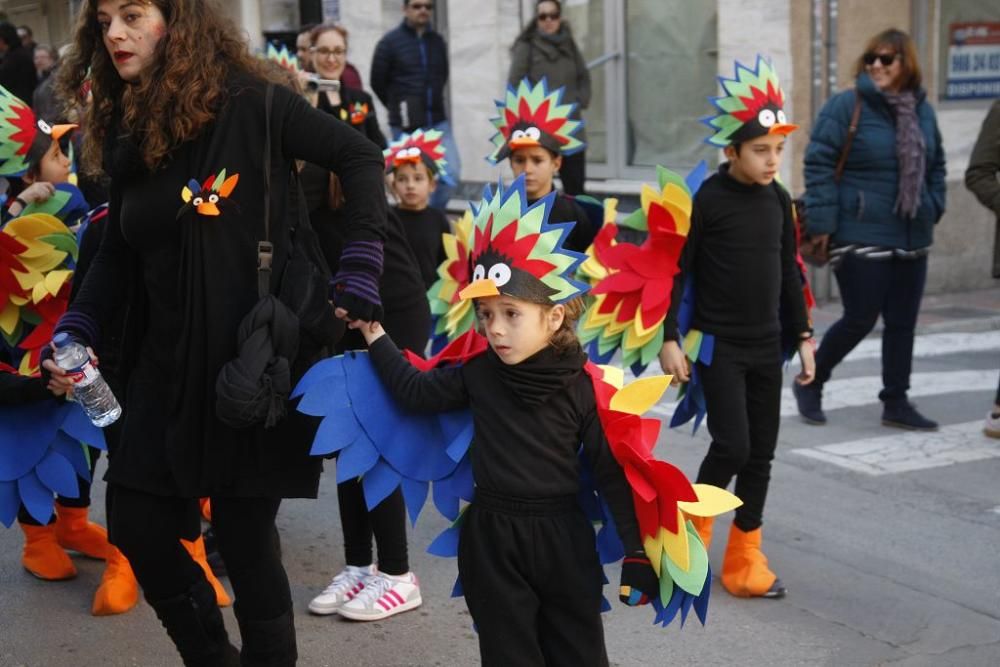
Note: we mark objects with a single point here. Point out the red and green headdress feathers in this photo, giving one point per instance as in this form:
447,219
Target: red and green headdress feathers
24,138
420,146
531,115
282,56
752,106
517,252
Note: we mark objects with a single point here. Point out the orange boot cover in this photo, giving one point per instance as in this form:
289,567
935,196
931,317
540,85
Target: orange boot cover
205,504
744,569
118,591
197,551
43,557
76,533
702,524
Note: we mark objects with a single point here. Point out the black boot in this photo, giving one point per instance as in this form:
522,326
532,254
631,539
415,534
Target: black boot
195,625
900,413
269,643
809,399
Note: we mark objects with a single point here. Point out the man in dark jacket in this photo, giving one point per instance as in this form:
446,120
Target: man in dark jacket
17,72
409,73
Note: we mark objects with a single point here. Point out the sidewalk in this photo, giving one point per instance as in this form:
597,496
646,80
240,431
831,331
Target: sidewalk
969,312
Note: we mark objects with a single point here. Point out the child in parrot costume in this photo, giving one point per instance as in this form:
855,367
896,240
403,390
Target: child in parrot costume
553,442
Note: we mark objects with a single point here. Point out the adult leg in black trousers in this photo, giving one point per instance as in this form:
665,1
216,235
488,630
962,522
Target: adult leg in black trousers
573,173
899,313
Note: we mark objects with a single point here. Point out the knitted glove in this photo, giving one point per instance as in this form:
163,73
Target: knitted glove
639,583
355,287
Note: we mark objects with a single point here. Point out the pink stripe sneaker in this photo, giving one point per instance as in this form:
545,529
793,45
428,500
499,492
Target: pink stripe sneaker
344,588
383,596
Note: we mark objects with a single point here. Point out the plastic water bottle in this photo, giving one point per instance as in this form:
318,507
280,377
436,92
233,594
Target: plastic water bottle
90,390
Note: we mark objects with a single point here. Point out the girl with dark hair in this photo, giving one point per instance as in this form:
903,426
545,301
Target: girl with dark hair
179,121
878,218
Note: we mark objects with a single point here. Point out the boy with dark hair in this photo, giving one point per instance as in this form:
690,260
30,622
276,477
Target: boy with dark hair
740,255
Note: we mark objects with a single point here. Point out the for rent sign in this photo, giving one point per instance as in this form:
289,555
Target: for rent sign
973,60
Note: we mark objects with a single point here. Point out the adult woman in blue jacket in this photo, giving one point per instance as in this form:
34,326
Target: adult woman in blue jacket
878,217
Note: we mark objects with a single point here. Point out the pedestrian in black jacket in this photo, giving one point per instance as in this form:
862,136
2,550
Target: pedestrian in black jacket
178,101
17,71
409,73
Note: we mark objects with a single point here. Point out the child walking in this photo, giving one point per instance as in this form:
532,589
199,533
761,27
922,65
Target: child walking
740,255
526,557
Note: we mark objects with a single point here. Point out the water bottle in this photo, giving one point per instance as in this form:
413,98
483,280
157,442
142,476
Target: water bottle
90,390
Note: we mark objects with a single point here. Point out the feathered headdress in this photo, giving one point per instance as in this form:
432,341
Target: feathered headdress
282,56
453,315
24,138
531,115
517,252
420,146
752,106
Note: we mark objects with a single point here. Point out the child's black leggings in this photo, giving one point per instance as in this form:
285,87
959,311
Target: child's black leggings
743,397
532,582
148,530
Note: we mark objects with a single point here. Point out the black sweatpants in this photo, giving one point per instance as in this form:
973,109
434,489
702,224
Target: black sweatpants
82,499
532,582
743,397
148,530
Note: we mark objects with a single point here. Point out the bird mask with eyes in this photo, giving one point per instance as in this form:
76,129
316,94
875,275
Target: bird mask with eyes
516,251
24,138
421,146
752,106
531,115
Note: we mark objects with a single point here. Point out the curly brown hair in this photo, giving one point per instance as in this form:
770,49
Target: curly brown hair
171,102
565,340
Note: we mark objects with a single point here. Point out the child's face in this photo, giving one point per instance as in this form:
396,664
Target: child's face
515,328
758,160
413,186
53,167
539,167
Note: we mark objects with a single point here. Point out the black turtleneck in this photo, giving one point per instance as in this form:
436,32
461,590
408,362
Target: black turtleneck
529,419
740,253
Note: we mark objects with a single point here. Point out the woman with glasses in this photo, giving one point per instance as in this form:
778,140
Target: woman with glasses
546,49
877,218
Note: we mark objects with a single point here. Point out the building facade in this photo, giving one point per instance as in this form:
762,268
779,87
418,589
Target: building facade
653,66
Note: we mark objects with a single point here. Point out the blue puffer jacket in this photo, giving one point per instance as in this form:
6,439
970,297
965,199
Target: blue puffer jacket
859,209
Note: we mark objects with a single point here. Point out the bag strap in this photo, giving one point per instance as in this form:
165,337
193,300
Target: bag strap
851,131
265,249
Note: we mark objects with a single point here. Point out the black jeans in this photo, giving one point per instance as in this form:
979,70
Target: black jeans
148,530
743,397
892,288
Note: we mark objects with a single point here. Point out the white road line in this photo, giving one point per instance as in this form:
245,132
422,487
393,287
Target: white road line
863,390
933,345
909,451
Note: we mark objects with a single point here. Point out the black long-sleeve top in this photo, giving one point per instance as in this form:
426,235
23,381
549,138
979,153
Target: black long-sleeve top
17,389
740,252
529,421
565,209
423,231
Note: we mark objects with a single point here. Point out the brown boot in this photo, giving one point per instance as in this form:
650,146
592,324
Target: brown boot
76,533
119,590
43,557
703,525
744,568
197,551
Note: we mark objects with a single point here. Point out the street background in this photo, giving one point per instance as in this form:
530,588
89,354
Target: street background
887,540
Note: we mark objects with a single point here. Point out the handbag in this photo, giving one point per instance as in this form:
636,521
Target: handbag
813,249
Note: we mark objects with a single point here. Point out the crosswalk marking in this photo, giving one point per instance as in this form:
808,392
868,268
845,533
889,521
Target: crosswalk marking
863,390
909,451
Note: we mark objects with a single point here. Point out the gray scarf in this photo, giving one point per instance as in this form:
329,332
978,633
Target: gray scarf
910,152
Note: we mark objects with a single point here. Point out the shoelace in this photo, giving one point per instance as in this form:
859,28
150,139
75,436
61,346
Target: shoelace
345,580
375,587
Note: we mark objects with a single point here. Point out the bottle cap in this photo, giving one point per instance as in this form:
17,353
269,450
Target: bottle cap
62,339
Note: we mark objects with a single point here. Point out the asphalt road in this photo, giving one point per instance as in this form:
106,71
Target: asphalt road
887,541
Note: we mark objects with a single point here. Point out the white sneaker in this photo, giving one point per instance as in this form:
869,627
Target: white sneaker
992,425
343,588
383,596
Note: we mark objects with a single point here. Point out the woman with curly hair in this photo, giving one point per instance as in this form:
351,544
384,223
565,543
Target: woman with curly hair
179,123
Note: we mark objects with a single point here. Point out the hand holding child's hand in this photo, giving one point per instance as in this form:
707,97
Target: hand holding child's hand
37,192
372,331
674,362
807,355
639,583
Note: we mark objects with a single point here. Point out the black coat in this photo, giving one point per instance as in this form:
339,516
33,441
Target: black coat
399,74
186,282
17,73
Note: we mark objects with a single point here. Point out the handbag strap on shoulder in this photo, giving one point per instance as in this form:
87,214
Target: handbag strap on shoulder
852,130
265,249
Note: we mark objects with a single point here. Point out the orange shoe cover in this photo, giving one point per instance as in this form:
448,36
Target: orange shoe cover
744,568
118,591
702,524
205,504
197,551
76,533
43,557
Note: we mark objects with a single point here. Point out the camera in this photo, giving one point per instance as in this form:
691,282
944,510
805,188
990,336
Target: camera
316,84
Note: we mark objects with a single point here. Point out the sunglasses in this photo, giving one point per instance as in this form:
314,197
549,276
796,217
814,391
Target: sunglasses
419,5
885,59
548,17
